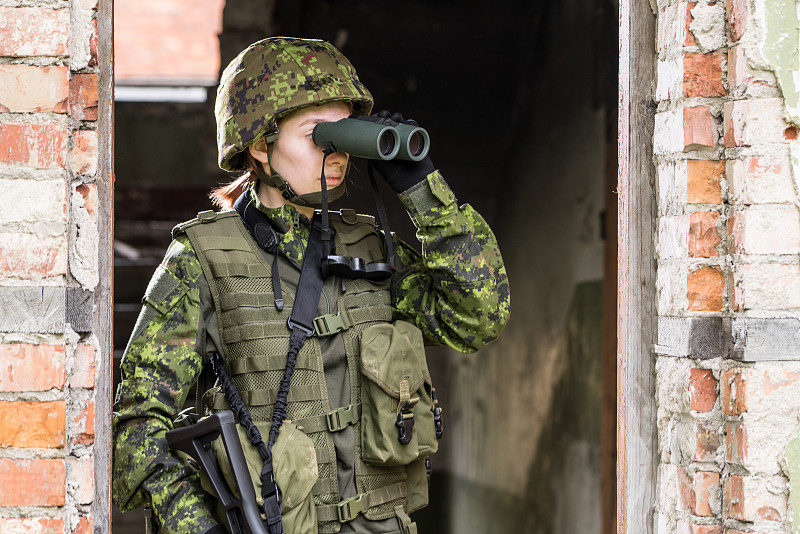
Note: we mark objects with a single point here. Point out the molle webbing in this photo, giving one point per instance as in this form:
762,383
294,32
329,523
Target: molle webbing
255,340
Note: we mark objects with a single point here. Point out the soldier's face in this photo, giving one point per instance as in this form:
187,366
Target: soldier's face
298,159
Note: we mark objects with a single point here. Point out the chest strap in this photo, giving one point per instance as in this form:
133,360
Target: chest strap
333,323
348,509
333,421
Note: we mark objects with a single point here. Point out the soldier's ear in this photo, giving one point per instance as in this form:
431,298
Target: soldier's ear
258,150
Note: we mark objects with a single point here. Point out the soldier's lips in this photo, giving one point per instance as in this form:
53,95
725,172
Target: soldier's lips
333,180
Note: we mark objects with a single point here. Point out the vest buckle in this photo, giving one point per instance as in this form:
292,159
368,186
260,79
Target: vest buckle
348,509
341,418
330,324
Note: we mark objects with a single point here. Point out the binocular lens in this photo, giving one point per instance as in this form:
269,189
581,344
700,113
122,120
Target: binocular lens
416,144
386,143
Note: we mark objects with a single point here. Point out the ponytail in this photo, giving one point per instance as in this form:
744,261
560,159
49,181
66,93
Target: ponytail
225,195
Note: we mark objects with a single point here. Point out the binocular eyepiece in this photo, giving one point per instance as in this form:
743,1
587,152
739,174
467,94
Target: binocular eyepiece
371,140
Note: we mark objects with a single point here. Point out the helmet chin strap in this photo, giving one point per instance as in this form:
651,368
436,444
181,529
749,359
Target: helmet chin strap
313,200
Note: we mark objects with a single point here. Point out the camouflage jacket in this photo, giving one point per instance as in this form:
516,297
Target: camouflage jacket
456,293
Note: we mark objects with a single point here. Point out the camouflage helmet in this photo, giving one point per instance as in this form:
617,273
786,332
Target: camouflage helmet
270,79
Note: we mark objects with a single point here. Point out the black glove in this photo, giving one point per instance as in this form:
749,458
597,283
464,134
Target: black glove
400,174
217,529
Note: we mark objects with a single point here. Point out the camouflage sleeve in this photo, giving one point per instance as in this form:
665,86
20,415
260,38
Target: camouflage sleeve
457,291
158,368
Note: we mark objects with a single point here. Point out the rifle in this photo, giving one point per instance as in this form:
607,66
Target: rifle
243,514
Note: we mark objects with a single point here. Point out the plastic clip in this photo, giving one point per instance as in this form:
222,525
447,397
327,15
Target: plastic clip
405,424
437,415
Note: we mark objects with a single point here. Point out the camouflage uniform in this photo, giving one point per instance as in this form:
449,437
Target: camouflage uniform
456,293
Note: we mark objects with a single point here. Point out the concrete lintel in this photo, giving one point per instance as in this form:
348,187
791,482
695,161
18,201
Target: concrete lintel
80,309
765,339
32,309
693,337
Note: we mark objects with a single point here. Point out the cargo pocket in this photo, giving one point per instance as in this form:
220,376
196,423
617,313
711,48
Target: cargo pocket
294,463
397,425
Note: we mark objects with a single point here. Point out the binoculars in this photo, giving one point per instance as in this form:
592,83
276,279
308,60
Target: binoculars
371,140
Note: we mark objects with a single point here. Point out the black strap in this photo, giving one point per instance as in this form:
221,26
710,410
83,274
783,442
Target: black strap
376,194
260,227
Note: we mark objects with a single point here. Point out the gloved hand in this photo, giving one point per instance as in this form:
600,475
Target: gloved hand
399,174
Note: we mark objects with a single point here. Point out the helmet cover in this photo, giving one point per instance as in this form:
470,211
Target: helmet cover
270,79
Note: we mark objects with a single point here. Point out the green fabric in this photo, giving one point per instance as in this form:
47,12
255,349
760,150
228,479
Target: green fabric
294,463
396,372
165,355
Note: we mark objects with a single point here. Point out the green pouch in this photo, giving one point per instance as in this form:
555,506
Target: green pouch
417,484
294,462
396,386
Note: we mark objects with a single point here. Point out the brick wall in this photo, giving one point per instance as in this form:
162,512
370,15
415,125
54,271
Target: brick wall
728,279
50,266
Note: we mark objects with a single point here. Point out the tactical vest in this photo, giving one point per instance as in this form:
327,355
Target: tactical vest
255,339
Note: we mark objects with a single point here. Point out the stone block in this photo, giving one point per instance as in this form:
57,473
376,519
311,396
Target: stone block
80,309
32,309
767,286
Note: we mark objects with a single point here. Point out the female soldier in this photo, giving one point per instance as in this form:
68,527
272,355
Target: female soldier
221,298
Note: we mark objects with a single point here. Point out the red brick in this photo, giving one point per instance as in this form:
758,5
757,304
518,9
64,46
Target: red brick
684,488
83,367
27,89
703,181
704,289
750,499
33,31
705,529
702,74
32,525
85,525
705,485
84,426
83,96
690,40
702,390
25,367
698,127
41,146
81,477
83,155
29,256
703,235
737,67
733,387
93,45
736,443
32,482
754,122
707,441
738,13
32,424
